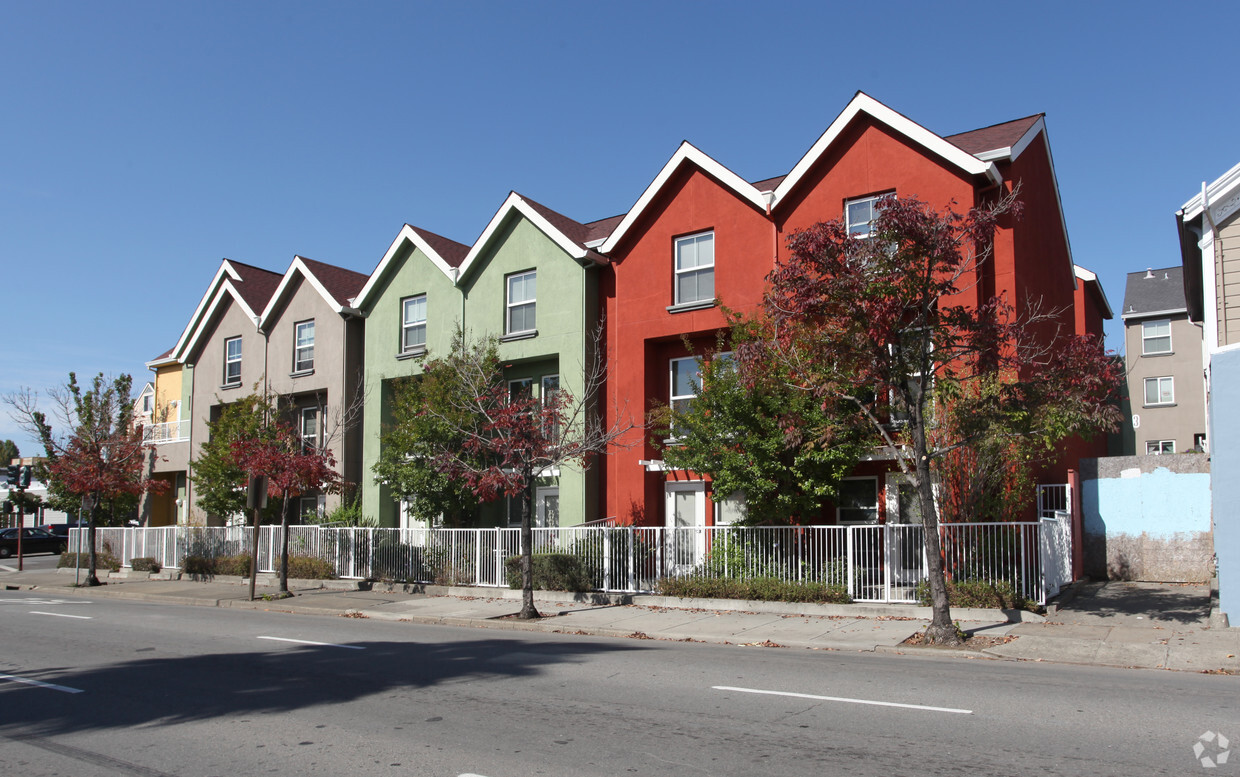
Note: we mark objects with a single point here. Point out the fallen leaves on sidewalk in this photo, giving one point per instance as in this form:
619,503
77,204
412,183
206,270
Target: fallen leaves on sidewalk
763,643
976,642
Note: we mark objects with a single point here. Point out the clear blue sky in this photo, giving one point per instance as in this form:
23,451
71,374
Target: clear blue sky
140,143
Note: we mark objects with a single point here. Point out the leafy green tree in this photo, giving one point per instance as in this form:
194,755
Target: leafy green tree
784,449
219,480
8,452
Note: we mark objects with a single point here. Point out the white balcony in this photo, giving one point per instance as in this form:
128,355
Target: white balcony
160,434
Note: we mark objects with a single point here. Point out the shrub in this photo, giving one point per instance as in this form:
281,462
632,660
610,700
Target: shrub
198,566
144,564
765,589
103,560
552,572
309,568
238,565
991,594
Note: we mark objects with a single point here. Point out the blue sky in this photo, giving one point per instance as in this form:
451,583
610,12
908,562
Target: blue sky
143,142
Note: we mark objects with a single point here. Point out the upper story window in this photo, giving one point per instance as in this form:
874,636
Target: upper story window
232,361
695,268
310,428
859,214
686,383
1156,337
1160,391
520,304
303,350
413,324
1159,447
520,389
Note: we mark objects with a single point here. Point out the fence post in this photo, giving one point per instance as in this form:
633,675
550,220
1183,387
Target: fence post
848,561
631,558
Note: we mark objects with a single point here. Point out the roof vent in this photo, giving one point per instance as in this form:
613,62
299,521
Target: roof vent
1149,273
1166,276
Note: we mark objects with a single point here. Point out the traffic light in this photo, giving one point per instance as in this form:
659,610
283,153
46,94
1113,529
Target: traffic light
14,474
25,476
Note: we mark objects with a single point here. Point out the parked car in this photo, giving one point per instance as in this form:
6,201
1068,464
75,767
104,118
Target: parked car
33,541
61,530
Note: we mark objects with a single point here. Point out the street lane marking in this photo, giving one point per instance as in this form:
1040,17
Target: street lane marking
34,600
308,642
36,683
61,615
840,698
8,568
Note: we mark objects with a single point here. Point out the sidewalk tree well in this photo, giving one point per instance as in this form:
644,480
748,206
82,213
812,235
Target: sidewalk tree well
785,449
291,469
876,325
95,452
498,443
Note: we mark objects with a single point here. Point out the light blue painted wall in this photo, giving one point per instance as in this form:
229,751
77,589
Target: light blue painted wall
1159,503
1225,462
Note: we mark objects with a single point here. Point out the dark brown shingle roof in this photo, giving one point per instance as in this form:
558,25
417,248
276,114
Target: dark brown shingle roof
342,284
1003,135
449,250
256,285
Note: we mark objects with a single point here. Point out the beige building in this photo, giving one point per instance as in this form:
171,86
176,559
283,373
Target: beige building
1162,354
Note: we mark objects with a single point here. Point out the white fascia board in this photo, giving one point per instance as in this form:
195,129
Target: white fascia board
863,103
407,234
1089,276
516,203
164,362
297,267
1153,313
1016,149
225,273
686,153
226,289
1220,189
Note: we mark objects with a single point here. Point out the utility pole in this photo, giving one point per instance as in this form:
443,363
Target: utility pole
256,499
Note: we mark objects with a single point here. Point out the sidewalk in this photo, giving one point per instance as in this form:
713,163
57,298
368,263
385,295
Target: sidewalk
1114,624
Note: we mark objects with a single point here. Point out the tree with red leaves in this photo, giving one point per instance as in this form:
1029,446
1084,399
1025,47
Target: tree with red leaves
99,455
291,469
879,322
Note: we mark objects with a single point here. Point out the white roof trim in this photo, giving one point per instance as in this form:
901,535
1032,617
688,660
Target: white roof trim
164,362
1152,313
406,234
1224,193
517,203
863,103
1089,276
1013,151
217,299
223,279
686,153
299,266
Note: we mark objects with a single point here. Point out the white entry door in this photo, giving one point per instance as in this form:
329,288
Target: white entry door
547,507
685,513
905,548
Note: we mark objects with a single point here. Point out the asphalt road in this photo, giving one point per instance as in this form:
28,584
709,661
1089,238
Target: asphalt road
113,687
30,561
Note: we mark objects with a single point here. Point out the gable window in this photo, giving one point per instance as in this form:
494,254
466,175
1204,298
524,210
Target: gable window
1159,391
857,501
686,382
303,350
413,324
1159,447
859,215
310,428
1155,337
232,361
695,268
521,302
148,404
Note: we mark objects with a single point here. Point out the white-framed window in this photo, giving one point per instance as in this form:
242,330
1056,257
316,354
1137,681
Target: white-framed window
908,357
695,268
309,428
303,349
232,361
857,501
413,323
312,509
1159,447
520,388
731,509
859,214
1155,337
1160,391
522,293
148,404
685,383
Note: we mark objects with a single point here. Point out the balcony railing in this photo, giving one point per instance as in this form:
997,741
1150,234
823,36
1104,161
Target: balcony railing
159,434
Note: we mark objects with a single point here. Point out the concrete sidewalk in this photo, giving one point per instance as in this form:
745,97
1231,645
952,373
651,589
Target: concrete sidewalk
1104,625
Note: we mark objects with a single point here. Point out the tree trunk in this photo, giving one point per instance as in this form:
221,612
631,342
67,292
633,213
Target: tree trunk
941,630
283,547
92,577
528,611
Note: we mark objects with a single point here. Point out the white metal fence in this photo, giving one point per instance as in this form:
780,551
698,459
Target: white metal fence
879,563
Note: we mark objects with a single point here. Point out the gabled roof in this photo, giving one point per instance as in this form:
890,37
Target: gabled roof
1091,278
336,285
864,104
686,154
251,287
163,359
445,254
1152,292
1223,194
999,141
568,234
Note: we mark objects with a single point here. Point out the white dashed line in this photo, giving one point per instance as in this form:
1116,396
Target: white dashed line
842,699
308,642
61,615
37,684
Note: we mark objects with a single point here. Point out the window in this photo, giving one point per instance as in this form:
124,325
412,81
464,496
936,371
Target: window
303,351
686,382
1155,337
312,509
695,269
859,215
908,359
550,387
857,501
413,325
1200,443
232,361
520,389
1159,391
731,509
310,428
521,296
1159,447
148,403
